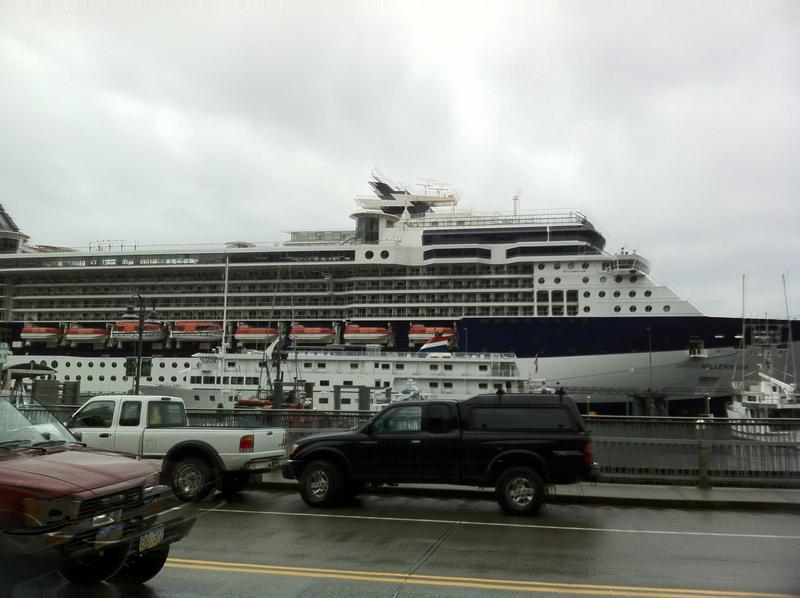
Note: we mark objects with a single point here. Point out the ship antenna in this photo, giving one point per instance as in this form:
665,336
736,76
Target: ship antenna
515,199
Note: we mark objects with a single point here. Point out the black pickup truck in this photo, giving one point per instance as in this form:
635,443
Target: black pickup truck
516,443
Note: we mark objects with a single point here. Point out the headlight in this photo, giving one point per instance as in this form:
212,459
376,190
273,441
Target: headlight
295,448
41,512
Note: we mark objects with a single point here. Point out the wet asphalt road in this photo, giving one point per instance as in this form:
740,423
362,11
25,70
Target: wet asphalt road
272,544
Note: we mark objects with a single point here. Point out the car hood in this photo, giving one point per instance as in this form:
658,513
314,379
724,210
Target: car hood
72,470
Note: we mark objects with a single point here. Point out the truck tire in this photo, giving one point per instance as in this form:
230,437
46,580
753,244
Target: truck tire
191,479
94,568
139,568
322,484
233,483
520,491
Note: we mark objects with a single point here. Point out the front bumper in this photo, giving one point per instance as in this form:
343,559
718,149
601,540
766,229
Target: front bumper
291,469
160,510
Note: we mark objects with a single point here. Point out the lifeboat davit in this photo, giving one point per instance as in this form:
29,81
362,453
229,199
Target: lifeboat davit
419,333
31,333
198,332
311,335
378,335
245,333
78,334
127,331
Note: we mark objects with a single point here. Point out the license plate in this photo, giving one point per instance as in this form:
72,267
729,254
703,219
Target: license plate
108,535
151,539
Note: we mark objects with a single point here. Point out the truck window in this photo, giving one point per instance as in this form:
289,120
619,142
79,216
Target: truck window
521,418
439,419
95,415
130,414
165,414
398,420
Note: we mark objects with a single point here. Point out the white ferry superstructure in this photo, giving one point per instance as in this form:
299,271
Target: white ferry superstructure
539,285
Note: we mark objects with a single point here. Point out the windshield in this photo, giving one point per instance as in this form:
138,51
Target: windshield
30,425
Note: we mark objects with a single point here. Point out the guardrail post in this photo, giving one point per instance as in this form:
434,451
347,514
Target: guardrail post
703,456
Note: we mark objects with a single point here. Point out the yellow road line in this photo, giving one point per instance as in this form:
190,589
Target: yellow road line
463,582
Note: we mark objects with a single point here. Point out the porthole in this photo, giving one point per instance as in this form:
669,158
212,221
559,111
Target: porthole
101,378
66,377
79,364
587,294
173,379
571,266
90,364
102,364
648,293
557,280
617,308
174,365
541,281
68,364
113,378
186,365
602,279
618,279
161,365
54,364
616,293
601,294
384,254
585,265
149,378
124,378
369,255
90,378
586,309
648,308
633,308
78,377
585,279
540,266
161,378
113,364
666,308
633,278
632,294
556,266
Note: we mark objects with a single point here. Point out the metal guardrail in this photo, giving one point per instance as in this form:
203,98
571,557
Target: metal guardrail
644,450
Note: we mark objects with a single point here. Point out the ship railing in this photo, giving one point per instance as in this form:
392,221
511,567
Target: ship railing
537,217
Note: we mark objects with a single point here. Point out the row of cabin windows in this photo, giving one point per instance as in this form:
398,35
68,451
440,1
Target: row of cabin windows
113,364
90,378
249,380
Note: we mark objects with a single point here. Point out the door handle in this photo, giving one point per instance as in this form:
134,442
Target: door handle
105,435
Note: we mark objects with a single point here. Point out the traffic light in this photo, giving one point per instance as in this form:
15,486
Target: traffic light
130,366
147,366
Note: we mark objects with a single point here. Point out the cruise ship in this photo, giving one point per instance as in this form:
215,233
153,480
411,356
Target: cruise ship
538,285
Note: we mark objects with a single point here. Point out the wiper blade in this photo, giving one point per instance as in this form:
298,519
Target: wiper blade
12,444
46,443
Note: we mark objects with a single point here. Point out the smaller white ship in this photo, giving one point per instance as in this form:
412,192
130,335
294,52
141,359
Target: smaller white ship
759,393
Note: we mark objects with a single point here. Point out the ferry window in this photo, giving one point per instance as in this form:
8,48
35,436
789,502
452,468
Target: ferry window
78,377
323,400
130,413
237,380
91,364
212,398
231,364
377,383
434,366
174,365
124,378
542,310
632,294
399,366
384,254
67,364
483,368
556,266
585,265
572,310
345,401
196,397
618,279
587,294
353,366
540,266
541,281
101,378
251,380
149,378
113,378
616,293
557,281
666,308
324,383
208,379
572,296
161,378
601,294
558,296
558,310
483,385
541,296
53,364
173,379
648,293
347,383
633,279
66,377
648,308
447,384
113,364
161,365
321,366
385,366
616,308
434,384
102,364
79,364
585,279
194,379
225,379
307,364
369,255
448,367
586,309
386,384
633,308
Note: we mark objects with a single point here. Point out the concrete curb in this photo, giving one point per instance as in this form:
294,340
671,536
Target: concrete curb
647,496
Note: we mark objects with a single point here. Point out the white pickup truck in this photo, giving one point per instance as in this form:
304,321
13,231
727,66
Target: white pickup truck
194,459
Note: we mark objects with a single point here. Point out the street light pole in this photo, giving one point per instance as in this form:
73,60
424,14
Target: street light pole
140,341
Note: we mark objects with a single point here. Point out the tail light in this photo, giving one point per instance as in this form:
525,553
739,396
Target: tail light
587,452
246,443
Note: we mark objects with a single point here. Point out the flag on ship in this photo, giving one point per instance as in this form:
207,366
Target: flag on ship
436,344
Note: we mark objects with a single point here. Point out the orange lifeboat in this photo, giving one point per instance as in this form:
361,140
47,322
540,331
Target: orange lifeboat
419,334
199,332
245,333
32,333
127,331
311,335
78,334
378,335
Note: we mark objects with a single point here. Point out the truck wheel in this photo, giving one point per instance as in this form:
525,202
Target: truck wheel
94,568
520,491
233,483
322,484
191,479
141,567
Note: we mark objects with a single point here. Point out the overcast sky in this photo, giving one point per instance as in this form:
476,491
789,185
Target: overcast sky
675,124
